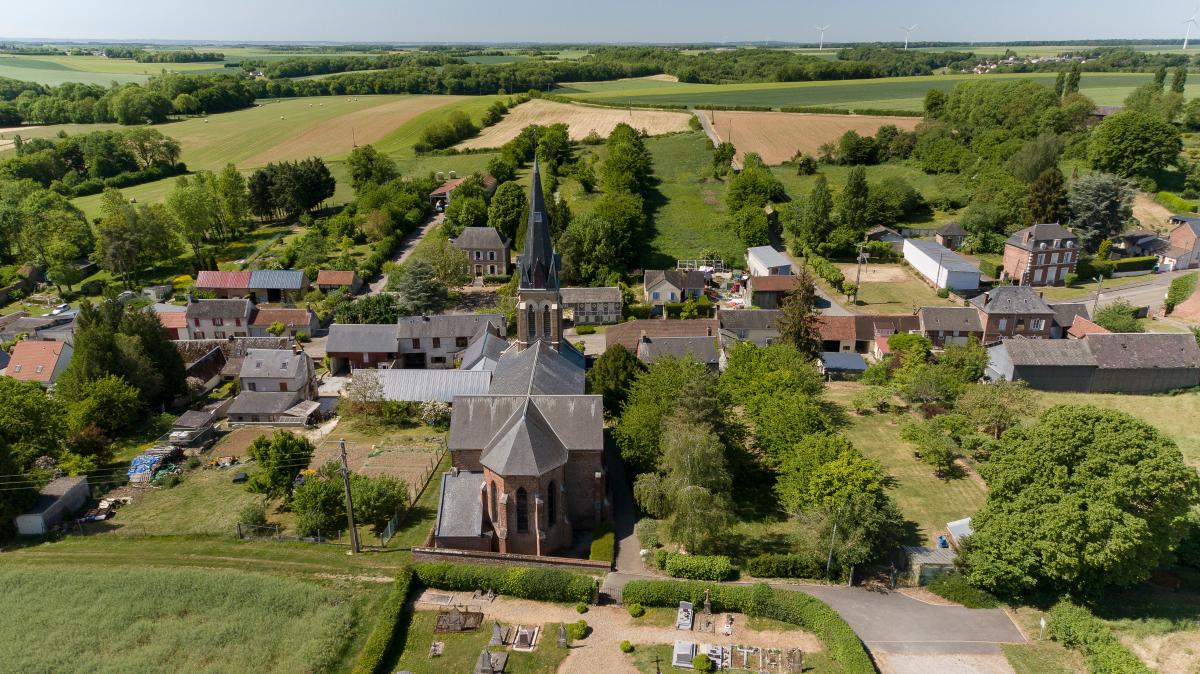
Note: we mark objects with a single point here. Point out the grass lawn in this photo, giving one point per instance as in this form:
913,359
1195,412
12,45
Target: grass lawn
97,618
925,499
899,297
205,502
462,650
1059,293
1171,414
1040,657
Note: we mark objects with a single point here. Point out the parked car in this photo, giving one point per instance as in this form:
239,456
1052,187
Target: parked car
60,309
126,296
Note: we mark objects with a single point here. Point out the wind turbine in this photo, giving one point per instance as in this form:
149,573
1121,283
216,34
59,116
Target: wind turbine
1189,22
822,29
907,32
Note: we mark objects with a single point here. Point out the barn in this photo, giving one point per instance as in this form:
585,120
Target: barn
55,502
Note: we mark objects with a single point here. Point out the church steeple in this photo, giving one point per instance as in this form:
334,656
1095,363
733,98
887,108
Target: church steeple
538,263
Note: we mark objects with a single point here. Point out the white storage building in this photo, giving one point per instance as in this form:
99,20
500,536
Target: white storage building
55,502
766,261
941,266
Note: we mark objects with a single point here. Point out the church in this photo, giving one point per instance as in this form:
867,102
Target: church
527,457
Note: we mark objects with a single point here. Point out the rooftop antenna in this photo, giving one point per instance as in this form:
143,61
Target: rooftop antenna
822,29
907,33
1189,22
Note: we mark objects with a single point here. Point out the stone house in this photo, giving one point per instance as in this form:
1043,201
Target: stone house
218,319
671,286
487,251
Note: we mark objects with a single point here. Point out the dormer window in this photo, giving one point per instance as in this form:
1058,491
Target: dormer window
1057,243
1070,243
16,368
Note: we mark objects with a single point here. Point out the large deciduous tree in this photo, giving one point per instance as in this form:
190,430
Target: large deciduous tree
368,167
653,396
1134,143
280,458
612,375
508,209
799,320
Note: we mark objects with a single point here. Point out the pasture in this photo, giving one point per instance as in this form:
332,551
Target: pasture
581,120
138,619
55,70
777,136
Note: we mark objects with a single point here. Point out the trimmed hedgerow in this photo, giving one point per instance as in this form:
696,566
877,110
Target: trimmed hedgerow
1134,264
954,586
514,581
1180,289
768,565
380,640
1075,627
700,567
760,600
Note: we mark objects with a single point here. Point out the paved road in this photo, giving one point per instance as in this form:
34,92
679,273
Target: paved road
895,623
628,554
406,248
713,135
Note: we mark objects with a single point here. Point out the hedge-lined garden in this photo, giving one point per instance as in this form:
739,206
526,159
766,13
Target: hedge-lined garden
761,601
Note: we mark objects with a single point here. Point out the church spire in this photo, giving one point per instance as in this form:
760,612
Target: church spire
538,264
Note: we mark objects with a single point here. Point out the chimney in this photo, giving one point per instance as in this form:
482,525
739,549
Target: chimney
191,297
1028,235
986,297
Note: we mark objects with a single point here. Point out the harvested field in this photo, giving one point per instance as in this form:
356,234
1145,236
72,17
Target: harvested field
340,134
776,136
581,119
876,273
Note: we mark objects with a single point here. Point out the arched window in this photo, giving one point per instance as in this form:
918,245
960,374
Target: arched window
552,503
531,325
494,511
522,511
546,321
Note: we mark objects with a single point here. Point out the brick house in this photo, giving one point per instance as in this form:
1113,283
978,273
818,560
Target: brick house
950,235
487,251
1040,255
1183,251
1013,311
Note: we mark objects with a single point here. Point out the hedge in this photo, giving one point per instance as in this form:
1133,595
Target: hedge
380,639
515,581
637,311
603,543
1135,263
1180,289
496,279
1075,627
759,600
825,269
1175,203
954,586
990,268
700,567
847,111
585,329
768,565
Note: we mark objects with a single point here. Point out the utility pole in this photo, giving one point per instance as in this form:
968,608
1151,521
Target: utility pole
1096,302
354,546
863,256
833,537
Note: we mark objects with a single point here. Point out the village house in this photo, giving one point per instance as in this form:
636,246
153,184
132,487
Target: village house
838,333
949,325
671,286
354,346
434,341
329,280
746,325
218,319
1041,255
950,235
767,292
702,349
173,318
486,249
441,196
38,361
295,321
766,261
278,386
1065,315
1013,311
1183,244
629,333
592,306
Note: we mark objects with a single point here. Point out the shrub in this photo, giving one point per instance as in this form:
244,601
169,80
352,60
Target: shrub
701,663
1133,264
647,532
370,660
826,270
585,329
768,565
581,607
603,543
253,514
954,586
1075,627
496,280
1180,289
700,567
660,559
516,581
1071,278
637,311
1175,203
627,647
635,610
577,630
943,293
990,268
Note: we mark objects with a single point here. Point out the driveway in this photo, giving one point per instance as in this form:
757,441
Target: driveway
406,248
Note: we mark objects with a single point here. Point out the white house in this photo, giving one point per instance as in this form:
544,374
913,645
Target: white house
941,266
672,285
278,370
766,261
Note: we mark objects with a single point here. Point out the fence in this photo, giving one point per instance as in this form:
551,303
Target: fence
717,264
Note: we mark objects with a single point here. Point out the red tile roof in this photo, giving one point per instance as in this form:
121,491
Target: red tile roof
327,277
34,360
627,334
286,316
779,283
223,279
1082,327
838,328
172,319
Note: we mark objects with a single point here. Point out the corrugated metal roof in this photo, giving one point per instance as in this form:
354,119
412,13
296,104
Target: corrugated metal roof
768,256
238,280
277,279
424,385
843,360
935,251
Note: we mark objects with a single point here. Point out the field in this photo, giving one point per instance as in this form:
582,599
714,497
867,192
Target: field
777,136
103,619
206,502
55,70
582,121
895,93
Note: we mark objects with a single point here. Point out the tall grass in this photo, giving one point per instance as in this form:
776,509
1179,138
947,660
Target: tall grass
86,619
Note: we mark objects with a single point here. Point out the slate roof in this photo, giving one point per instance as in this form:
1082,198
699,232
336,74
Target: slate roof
483,353
1050,352
684,280
580,295
1065,312
328,277
949,319
577,420
4,358
32,324
479,237
537,370
273,363
748,319
772,284
361,338
628,333
263,402
446,325
837,328
951,228
526,444
870,325
1192,222
277,279
768,256
194,419
843,361
424,385
1144,350
209,309
702,349
1043,232
538,264
35,360
232,280
460,512
1012,300
289,317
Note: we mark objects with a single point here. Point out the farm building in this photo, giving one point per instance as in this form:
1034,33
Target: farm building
886,235
224,284
629,333
277,285
925,564
941,266
951,235
55,502
329,280
766,292
294,321
1100,363
352,345
766,261
589,306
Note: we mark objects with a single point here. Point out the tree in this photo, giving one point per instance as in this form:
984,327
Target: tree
129,238
1060,83
767,371
799,319
1118,316
186,104
592,249
1101,204
1082,500
194,209
369,167
463,212
451,267
32,423
373,309
612,375
654,395
722,160
997,406
1036,156
751,226
111,407
377,500
1133,143
363,398
508,210
1048,198
233,197
965,361
935,103
1073,77
419,292
1179,79
853,203
754,185
280,459
801,463
320,503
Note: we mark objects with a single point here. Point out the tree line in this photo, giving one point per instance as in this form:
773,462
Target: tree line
162,56
87,163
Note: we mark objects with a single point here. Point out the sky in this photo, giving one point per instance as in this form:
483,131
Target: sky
402,21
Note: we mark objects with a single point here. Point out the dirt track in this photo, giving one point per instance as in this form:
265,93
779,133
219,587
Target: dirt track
776,136
581,120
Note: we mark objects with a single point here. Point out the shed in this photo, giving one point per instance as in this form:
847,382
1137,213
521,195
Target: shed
925,564
55,502
842,364
766,261
941,266
959,530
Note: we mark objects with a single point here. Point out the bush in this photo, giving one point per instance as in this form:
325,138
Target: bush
577,630
700,567
1133,264
701,663
1180,289
603,543
943,293
989,268
954,586
585,329
768,565
1071,278
627,647
1075,627
1174,203
646,531
519,582
759,600
635,610
253,514
581,607
370,660
637,311
660,559
496,280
